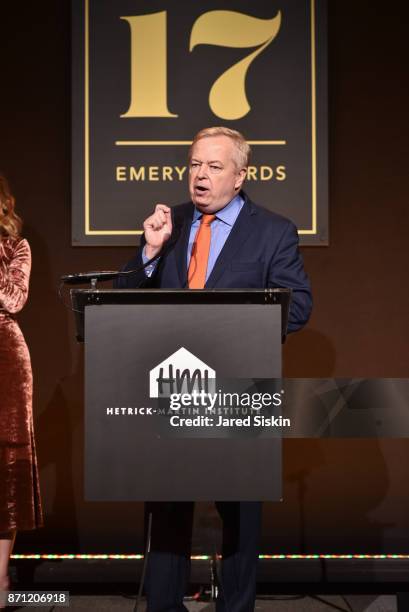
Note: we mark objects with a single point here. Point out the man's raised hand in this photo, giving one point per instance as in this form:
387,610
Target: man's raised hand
158,229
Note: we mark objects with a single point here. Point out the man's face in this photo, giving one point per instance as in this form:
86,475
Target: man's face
214,178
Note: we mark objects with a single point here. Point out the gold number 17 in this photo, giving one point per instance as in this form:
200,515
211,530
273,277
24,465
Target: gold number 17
227,97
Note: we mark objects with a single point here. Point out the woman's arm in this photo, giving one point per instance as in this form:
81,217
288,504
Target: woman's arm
14,279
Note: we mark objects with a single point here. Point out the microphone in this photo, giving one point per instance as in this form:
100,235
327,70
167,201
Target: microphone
84,277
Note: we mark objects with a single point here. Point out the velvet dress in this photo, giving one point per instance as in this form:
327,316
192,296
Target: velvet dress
20,505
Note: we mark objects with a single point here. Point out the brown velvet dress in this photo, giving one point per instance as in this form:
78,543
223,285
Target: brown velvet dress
20,506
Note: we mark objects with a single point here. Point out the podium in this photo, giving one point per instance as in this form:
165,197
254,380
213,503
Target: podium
135,338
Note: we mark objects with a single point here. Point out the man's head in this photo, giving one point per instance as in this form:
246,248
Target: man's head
218,160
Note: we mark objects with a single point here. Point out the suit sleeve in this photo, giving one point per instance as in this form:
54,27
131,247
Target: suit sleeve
137,279
287,270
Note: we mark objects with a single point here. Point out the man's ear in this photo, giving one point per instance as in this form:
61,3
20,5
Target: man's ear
240,178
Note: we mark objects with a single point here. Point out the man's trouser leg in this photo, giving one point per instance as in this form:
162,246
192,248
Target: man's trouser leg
168,567
241,537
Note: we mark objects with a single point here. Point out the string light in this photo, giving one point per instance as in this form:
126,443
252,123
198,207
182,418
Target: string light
137,557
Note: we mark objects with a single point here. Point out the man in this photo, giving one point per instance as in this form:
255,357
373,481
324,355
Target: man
218,240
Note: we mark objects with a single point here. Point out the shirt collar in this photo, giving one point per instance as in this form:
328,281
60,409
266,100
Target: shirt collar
228,214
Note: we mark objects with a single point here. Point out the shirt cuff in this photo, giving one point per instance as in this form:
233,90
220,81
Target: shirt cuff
149,270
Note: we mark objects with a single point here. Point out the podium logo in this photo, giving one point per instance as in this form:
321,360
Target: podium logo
182,372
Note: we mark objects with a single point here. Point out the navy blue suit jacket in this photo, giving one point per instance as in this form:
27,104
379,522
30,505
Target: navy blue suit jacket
260,252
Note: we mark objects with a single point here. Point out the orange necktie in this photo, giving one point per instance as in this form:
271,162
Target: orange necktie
200,254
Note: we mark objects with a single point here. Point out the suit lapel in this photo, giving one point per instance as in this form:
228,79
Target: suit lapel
237,237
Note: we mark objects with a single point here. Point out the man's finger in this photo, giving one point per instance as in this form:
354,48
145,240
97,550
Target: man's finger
162,217
153,223
162,207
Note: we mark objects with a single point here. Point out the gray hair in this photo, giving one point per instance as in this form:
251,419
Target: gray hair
243,150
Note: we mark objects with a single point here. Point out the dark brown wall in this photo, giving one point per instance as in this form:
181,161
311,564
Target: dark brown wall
340,495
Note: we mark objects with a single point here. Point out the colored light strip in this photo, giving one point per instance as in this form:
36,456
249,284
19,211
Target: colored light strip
317,557
208,557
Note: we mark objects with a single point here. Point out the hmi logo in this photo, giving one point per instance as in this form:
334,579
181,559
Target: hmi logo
182,372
